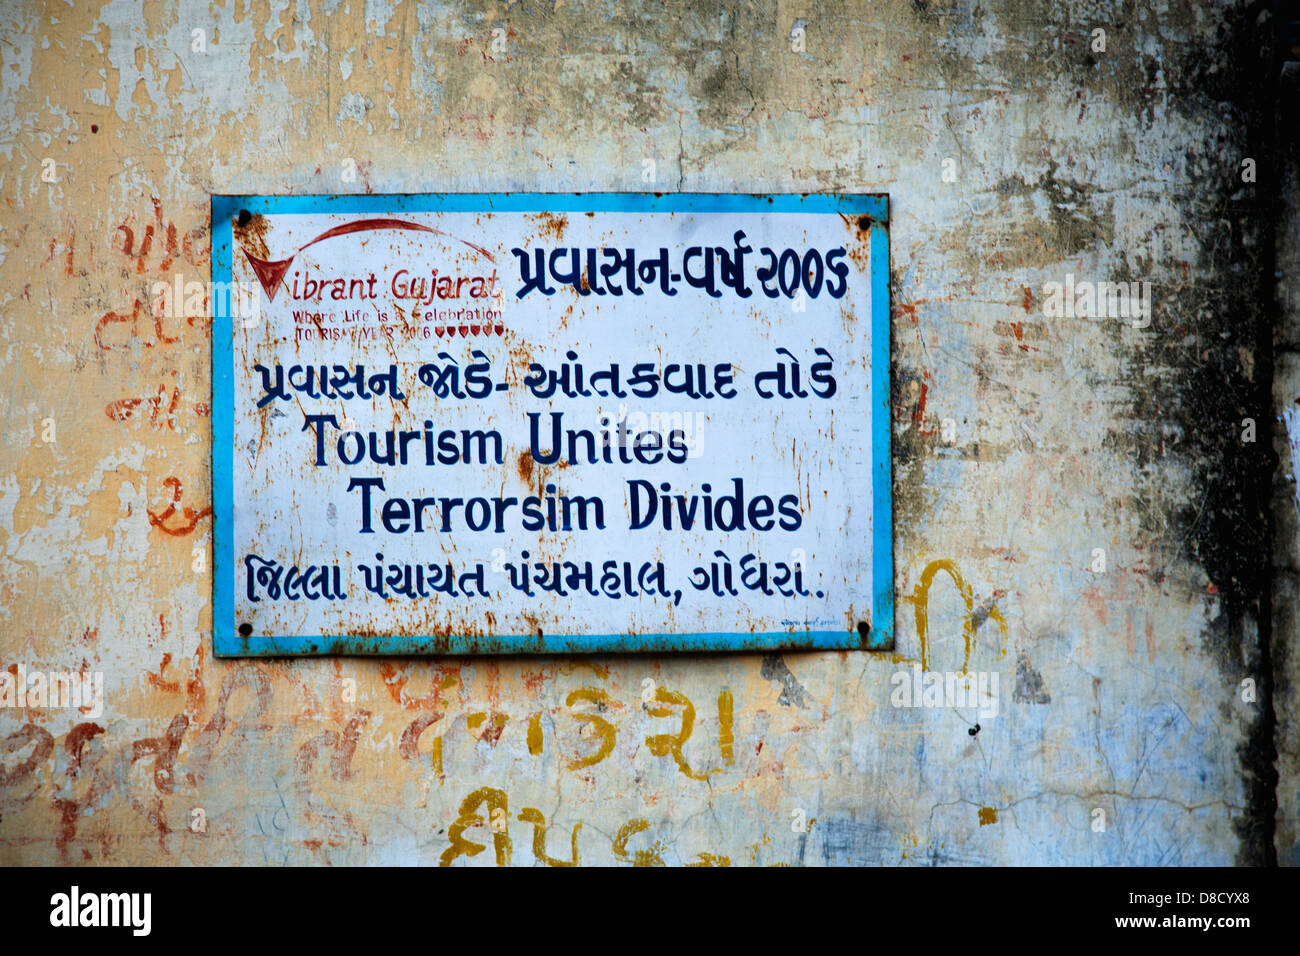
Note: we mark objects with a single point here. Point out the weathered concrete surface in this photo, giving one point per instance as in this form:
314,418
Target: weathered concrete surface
1122,701
1286,502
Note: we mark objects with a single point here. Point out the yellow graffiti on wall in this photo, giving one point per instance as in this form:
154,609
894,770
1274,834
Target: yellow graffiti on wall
606,731
664,744
497,820
497,807
651,856
534,816
921,602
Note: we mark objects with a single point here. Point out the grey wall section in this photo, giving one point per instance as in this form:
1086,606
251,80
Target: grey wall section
1081,501
1286,503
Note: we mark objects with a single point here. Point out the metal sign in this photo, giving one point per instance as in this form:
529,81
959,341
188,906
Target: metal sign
476,424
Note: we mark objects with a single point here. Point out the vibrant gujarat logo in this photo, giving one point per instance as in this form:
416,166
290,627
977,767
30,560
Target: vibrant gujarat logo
270,272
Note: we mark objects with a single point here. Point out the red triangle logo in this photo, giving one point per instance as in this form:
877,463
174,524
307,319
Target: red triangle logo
269,273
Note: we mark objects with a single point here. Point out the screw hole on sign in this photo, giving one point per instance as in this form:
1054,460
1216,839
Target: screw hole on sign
863,628
974,730
864,222
244,217
245,630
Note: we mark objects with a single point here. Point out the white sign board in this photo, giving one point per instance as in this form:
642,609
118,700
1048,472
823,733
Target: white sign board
480,424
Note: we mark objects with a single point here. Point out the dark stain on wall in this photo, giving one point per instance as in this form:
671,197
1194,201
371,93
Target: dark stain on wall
1077,222
1207,367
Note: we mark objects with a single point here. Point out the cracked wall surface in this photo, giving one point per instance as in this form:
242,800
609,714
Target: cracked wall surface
1139,695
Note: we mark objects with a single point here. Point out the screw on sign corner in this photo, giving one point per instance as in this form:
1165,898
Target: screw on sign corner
245,630
864,630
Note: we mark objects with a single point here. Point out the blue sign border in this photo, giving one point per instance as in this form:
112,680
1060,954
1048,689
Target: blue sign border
227,642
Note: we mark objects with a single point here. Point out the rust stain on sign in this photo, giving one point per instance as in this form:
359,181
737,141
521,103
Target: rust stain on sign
383,385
